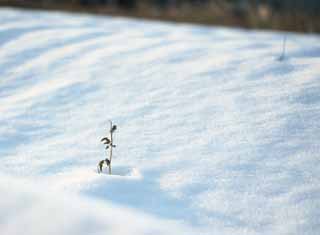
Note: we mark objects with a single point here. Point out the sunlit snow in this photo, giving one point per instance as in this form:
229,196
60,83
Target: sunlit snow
215,134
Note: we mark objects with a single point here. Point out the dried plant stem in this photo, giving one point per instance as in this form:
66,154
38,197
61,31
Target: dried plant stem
284,45
111,140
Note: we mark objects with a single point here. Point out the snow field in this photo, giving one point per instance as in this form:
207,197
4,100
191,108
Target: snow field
215,135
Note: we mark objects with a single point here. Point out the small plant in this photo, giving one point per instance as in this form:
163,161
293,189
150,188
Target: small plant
100,164
109,145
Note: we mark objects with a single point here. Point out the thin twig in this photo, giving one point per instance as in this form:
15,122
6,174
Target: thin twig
284,45
111,143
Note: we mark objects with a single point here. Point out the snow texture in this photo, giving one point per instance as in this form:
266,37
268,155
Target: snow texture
215,134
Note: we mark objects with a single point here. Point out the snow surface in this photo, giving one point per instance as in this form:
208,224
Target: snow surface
215,134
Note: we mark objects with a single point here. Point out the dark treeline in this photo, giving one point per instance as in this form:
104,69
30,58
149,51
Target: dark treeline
294,15
282,5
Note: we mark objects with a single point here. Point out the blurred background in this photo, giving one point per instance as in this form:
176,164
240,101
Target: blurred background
290,15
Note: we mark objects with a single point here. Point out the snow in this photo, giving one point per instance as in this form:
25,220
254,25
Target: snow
30,211
215,134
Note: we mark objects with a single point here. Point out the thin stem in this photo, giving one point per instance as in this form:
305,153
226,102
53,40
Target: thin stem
111,144
284,45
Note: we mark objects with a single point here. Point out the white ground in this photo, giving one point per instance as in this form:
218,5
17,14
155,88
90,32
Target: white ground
215,135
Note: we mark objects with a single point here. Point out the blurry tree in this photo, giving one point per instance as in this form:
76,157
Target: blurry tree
300,15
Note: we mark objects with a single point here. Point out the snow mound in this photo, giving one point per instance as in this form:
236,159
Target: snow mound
215,134
25,208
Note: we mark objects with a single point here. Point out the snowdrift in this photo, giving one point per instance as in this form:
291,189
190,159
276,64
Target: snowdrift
215,134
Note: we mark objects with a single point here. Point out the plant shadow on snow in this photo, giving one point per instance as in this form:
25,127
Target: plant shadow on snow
309,53
121,171
127,186
277,69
